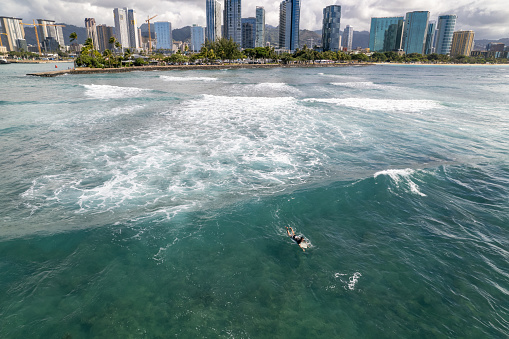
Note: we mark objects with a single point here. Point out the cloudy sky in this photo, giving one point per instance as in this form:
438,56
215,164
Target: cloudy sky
488,18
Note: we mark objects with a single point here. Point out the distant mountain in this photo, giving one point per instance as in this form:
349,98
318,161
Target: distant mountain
182,34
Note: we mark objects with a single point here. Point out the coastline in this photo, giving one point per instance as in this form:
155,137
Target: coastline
84,70
429,64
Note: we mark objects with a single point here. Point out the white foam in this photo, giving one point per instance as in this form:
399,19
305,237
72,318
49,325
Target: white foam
202,152
350,283
266,88
396,174
386,105
402,176
184,79
359,84
112,92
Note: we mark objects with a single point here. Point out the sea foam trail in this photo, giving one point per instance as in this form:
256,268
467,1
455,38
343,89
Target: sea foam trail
186,79
360,85
403,177
112,92
386,105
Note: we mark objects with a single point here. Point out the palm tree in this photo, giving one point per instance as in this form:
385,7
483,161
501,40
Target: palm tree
107,54
112,41
73,36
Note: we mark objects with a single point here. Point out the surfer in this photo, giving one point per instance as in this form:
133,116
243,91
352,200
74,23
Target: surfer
299,239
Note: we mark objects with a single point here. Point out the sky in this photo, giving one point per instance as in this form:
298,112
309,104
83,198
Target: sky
488,18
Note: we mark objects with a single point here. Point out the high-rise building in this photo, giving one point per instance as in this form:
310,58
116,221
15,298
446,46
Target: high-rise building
260,27
462,43
393,37
331,36
214,20
430,38
386,34
104,33
233,21
348,38
164,39
45,30
445,31
415,32
495,47
197,38
289,22
134,42
248,32
13,36
121,27
91,28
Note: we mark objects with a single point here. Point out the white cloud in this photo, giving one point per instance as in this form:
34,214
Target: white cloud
487,18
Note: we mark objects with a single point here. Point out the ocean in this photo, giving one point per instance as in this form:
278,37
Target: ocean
154,204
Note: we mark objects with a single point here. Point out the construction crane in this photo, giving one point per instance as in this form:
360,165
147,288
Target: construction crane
149,36
36,34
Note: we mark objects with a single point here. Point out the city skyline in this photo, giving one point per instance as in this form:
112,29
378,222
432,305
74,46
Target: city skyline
487,19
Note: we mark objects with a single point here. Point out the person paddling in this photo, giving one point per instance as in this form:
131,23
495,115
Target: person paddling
298,239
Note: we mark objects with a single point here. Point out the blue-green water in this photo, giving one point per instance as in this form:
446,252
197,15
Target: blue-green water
154,205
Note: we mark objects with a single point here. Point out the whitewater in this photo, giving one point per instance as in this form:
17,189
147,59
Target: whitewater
154,204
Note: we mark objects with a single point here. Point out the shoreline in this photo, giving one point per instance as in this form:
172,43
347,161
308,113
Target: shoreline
429,64
85,70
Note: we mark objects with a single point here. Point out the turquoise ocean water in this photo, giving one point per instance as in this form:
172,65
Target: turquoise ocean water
154,204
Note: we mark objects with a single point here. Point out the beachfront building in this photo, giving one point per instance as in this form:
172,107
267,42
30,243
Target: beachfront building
197,38
233,21
91,28
386,34
47,32
462,43
13,34
134,42
260,27
214,20
415,32
164,39
104,33
248,32
495,47
445,31
289,23
121,30
348,38
331,35
430,38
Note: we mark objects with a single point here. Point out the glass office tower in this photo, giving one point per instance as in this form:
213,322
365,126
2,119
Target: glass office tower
385,34
289,22
197,38
248,32
233,21
430,39
415,32
214,20
331,36
348,38
260,27
164,39
445,31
